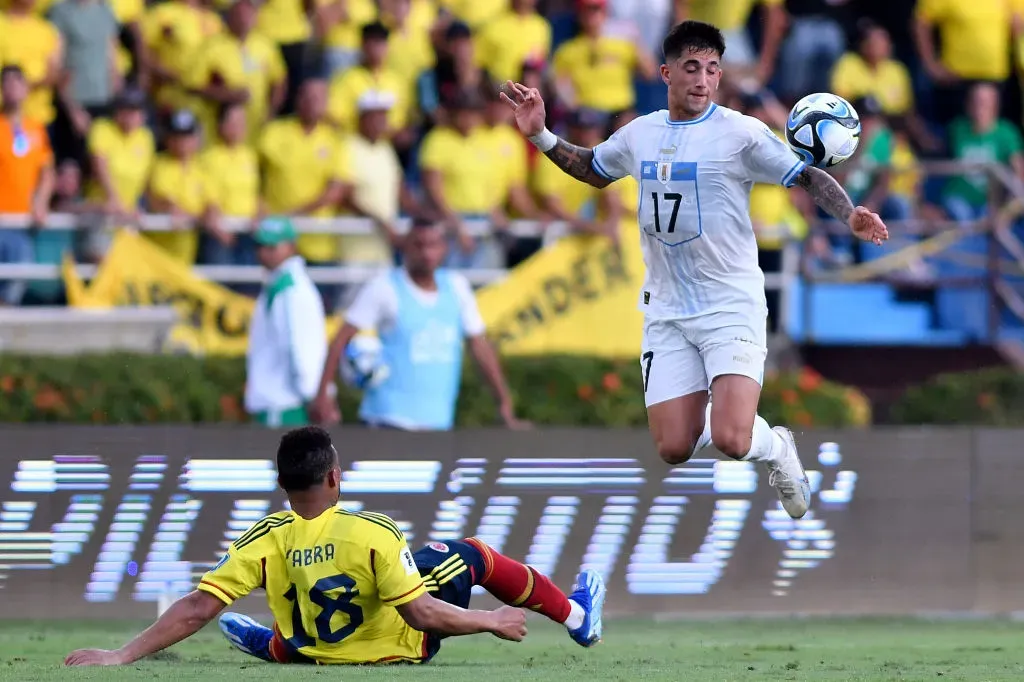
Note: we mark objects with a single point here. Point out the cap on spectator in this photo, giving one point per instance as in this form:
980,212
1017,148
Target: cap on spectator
375,31
375,100
458,29
275,230
130,98
868,106
183,122
588,118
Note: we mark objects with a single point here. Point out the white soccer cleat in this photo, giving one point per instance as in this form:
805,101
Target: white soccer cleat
788,477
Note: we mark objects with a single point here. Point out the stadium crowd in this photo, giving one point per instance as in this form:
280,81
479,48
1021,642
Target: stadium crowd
214,109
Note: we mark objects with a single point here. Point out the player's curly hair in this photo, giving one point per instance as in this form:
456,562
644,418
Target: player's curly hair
304,457
692,36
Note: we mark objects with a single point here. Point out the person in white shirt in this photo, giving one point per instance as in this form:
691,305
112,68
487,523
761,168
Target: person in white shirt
287,332
703,296
422,315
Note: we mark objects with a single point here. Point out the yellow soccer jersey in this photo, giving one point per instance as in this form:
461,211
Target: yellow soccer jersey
332,584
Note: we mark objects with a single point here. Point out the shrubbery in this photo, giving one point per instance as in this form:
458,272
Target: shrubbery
555,391
991,397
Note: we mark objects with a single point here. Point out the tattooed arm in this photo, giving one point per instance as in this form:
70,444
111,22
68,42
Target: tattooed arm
833,199
826,192
577,162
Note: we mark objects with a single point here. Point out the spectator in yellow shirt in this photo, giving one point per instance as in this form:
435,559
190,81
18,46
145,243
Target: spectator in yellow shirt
459,171
871,71
306,173
121,154
239,66
511,184
974,37
176,32
410,50
379,187
341,23
584,209
475,13
32,43
371,74
512,39
596,71
177,187
232,176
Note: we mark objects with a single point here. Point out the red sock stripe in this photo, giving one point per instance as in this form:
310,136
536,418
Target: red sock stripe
519,585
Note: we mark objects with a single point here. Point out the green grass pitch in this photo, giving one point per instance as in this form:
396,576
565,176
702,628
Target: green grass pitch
718,650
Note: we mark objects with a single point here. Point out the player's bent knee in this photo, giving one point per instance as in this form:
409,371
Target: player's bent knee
732,441
675,451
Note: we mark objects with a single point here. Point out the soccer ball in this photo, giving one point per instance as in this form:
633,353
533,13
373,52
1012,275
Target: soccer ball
363,365
823,129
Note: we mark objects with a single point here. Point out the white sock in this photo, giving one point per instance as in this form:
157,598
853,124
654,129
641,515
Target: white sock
765,444
704,442
576,616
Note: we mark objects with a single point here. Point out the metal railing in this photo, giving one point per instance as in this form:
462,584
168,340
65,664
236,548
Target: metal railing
240,274
244,274
1005,208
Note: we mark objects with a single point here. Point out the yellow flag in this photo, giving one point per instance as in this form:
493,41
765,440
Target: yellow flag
136,272
577,297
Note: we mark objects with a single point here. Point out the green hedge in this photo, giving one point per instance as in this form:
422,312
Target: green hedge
565,391
991,397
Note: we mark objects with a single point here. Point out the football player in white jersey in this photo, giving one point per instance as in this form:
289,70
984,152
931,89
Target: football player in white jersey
703,298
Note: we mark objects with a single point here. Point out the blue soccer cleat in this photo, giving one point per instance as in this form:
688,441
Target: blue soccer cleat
589,593
247,635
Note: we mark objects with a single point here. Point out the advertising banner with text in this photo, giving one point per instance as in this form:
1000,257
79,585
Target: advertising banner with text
102,521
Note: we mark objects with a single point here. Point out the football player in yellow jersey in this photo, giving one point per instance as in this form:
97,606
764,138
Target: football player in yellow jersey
344,588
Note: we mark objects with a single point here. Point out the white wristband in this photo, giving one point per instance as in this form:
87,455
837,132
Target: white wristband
545,140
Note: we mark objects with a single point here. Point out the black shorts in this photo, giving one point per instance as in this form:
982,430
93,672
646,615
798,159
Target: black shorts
449,570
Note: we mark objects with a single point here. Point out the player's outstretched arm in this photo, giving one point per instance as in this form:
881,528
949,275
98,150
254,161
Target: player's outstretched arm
833,199
528,106
427,614
576,161
186,617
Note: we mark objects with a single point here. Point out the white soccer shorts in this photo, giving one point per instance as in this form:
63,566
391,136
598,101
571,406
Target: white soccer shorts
681,357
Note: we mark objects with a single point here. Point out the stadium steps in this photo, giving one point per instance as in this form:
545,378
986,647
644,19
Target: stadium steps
862,314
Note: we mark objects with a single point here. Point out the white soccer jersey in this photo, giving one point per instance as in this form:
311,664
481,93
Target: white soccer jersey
695,179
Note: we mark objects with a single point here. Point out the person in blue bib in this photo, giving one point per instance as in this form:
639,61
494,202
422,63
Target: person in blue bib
422,315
